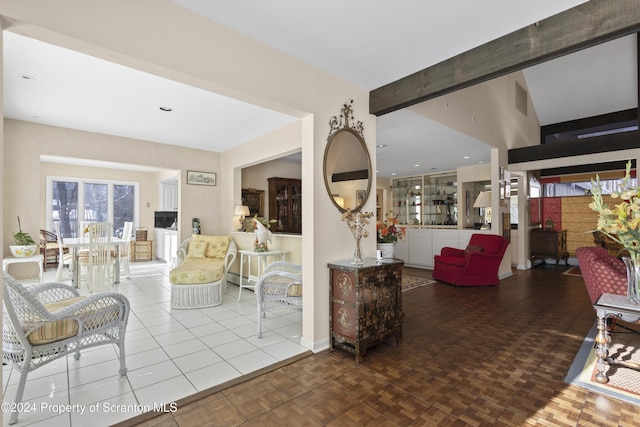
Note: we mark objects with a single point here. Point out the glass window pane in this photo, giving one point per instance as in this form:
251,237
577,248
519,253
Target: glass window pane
96,202
65,207
123,206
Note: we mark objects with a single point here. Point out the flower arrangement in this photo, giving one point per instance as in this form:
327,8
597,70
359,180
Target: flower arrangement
622,222
389,231
357,222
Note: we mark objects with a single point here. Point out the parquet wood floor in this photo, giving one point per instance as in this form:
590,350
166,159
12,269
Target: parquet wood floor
469,357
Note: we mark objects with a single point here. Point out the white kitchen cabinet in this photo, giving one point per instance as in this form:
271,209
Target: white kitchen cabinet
169,197
166,245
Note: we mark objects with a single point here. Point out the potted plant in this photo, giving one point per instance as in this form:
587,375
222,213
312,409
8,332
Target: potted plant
25,245
389,232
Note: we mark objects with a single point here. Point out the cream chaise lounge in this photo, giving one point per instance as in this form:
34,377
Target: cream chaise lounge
201,275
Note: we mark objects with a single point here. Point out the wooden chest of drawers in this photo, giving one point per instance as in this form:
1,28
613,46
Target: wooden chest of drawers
365,304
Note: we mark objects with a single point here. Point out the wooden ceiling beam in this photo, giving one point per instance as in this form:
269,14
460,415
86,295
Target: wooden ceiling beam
583,26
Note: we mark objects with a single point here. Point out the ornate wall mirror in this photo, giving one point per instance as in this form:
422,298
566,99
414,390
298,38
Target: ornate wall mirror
347,166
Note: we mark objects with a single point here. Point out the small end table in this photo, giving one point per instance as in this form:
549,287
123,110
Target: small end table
39,259
245,256
617,307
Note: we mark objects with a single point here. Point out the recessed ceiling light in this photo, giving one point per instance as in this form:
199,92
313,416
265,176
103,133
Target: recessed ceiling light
480,161
417,165
393,174
465,157
381,145
166,108
28,77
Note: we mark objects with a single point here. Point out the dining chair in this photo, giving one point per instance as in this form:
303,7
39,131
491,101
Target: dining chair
48,248
124,250
66,258
99,262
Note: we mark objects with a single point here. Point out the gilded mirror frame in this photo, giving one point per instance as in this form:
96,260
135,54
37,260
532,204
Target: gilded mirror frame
344,130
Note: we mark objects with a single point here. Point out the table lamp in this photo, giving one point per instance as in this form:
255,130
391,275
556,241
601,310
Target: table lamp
242,211
483,201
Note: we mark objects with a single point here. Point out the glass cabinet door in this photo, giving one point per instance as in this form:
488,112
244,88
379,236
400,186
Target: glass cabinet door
440,200
407,200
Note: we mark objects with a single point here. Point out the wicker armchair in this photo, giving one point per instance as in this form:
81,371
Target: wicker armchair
280,286
44,322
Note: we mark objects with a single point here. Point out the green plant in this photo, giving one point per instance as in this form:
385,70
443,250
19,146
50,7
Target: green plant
263,220
622,222
23,239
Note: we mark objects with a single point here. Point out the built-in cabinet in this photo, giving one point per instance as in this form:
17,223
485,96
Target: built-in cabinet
166,245
285,204
425,200
168,197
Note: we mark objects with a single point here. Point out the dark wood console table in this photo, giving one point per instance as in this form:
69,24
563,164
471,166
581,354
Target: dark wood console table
548,244
365,304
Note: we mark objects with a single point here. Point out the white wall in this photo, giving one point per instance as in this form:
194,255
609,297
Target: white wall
25,142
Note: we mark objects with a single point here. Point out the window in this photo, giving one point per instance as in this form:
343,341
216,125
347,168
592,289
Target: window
70,200
566,189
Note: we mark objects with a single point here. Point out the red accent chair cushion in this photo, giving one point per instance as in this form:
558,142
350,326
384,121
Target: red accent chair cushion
602,273
476,266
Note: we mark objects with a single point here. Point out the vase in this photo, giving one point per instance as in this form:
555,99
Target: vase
357,253
388,249
633,276
23,251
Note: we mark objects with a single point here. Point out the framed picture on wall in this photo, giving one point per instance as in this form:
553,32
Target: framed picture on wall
360,197
201,178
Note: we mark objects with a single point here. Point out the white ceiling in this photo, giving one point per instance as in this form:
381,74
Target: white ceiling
368,43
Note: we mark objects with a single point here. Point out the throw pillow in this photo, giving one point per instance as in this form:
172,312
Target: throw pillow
197,249
472,248
218,246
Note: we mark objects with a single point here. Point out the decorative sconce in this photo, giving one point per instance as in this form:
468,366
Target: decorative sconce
241,211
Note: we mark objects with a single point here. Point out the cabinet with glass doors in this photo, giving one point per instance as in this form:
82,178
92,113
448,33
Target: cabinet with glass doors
440,200
425,200
406,200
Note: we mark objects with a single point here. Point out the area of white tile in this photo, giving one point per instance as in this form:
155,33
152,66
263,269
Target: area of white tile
170,354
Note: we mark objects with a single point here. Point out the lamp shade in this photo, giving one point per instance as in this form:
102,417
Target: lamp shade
241,210
483,200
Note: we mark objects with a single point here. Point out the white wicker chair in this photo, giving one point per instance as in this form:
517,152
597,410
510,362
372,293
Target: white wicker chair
47,321
280,286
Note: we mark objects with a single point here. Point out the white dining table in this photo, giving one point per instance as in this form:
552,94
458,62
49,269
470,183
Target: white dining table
77,242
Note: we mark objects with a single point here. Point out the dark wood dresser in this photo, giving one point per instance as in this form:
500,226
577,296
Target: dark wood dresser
548,244
365,304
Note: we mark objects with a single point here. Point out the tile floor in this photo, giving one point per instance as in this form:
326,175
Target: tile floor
170,355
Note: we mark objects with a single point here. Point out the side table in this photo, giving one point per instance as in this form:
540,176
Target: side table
617,307
245,256
39,259
141,250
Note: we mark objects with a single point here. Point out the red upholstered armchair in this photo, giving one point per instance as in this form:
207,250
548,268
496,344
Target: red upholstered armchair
476,266
602,273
